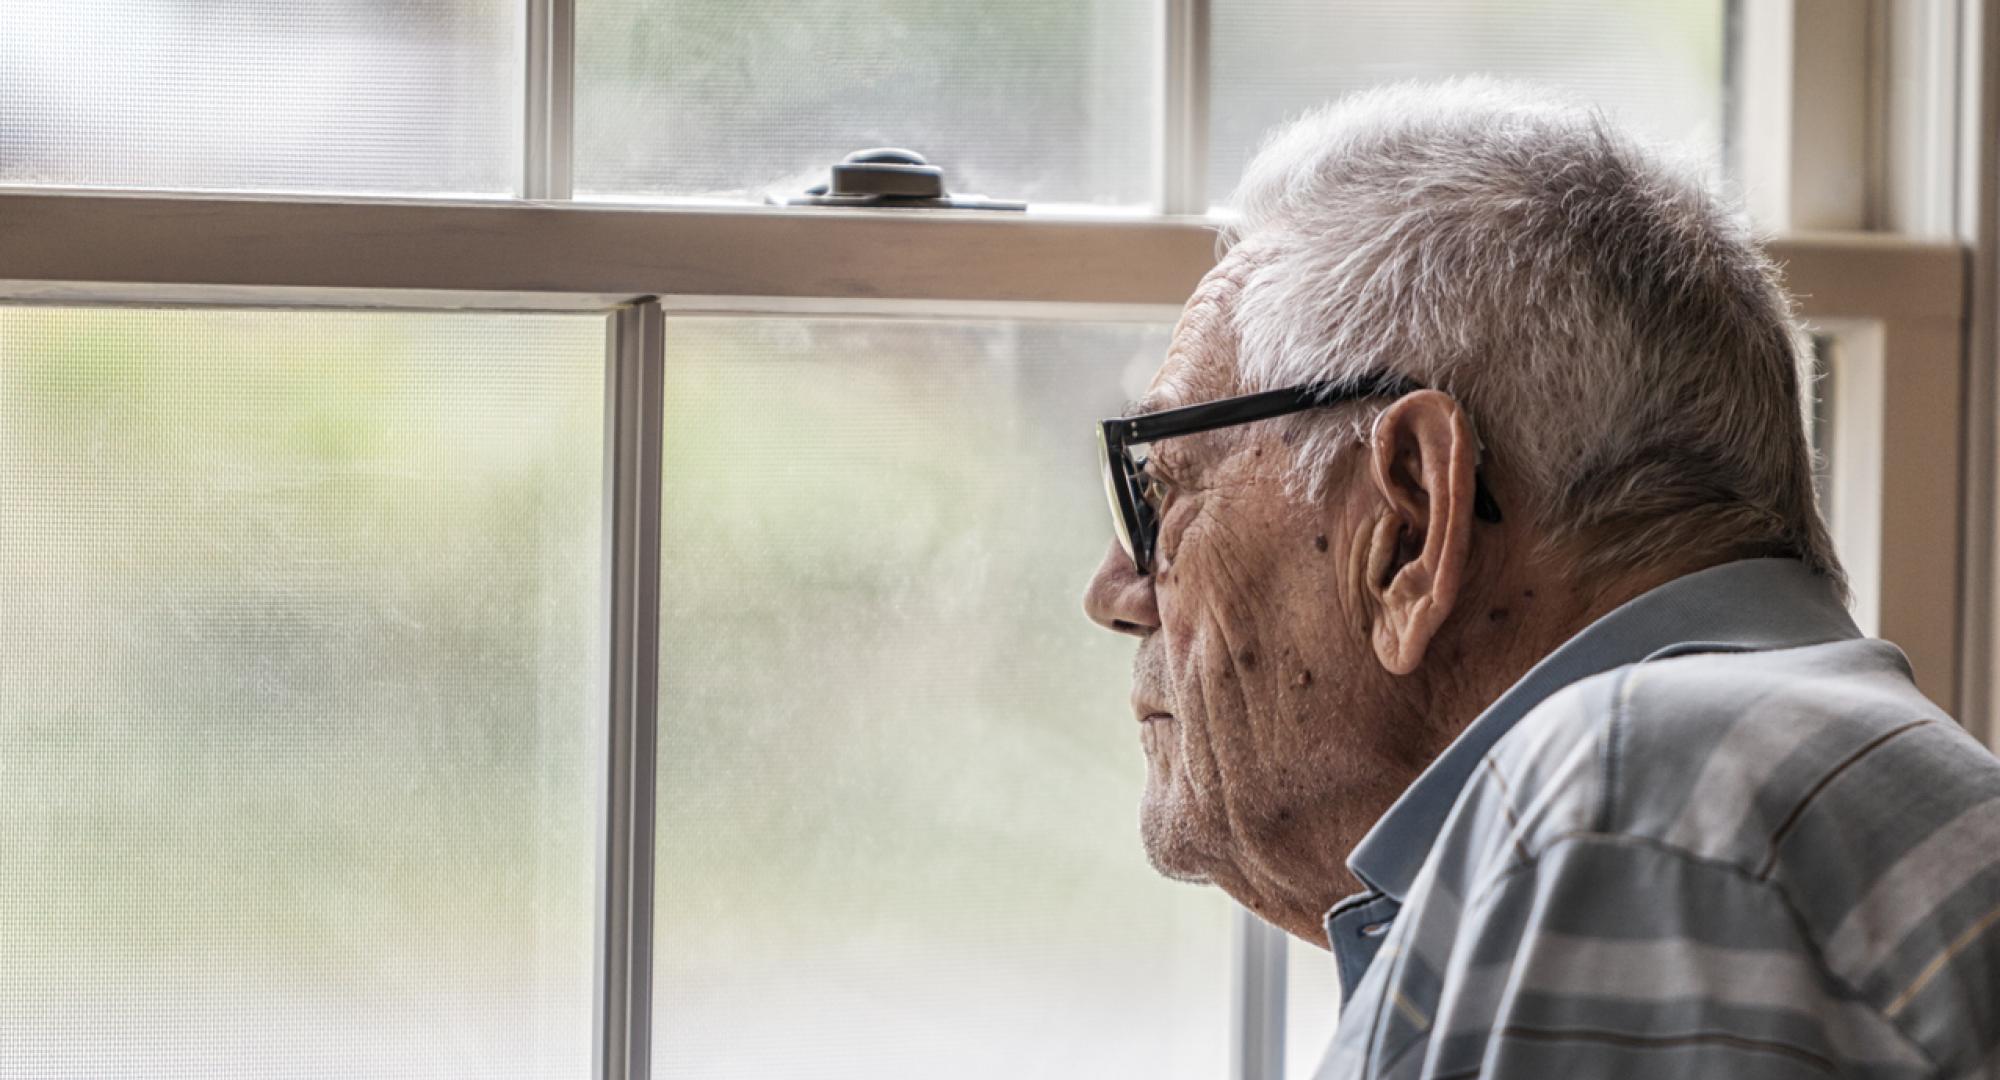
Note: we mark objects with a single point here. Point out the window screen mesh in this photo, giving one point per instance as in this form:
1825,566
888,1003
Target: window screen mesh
415,96
1656,67
898,774
1046,100
299,726
1312,1007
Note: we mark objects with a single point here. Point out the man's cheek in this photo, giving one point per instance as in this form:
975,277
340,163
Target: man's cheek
1181,634
1217,743
1193,619
1179,555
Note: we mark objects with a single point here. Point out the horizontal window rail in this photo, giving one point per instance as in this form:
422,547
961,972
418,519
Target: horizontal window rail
344,252
75,247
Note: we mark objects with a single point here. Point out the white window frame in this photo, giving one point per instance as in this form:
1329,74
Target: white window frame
1864,139
1921,306
1975,224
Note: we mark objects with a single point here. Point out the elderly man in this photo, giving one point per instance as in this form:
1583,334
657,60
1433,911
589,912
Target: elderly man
1489,635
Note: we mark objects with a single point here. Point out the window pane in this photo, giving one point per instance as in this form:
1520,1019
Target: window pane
298,614
899,777
1045,100
1656,67
1846,427
262,95
1312,1007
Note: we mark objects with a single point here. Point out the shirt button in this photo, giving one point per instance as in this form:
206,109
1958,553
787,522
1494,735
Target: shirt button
1375,929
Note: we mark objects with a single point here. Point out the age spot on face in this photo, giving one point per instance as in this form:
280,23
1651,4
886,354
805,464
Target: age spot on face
1248,659
1319,544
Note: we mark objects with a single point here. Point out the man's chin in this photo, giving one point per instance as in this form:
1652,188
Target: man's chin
1170,844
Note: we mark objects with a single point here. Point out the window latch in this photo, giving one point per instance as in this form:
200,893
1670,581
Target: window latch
891,178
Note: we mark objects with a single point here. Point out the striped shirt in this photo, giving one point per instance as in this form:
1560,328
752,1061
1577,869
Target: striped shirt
1717,834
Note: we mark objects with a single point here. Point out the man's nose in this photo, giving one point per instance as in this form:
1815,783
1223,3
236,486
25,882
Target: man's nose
1118,599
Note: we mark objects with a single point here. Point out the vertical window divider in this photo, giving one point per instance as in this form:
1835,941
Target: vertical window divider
1184,108
635,365
549,99
1257,1023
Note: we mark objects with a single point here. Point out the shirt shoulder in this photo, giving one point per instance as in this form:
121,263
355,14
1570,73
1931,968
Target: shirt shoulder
1818,773
1725,755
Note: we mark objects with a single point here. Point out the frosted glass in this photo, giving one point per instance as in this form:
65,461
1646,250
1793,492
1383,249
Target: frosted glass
1312,1007
1657,67
1044,100
298,727
899,777
416,96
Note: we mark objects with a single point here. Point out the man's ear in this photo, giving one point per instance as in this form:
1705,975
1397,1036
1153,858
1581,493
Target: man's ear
1423,460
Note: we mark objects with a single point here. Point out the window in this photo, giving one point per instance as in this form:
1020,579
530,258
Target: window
1047,101
300,620
262,95
895,794
1656,68
605,638
1312,1007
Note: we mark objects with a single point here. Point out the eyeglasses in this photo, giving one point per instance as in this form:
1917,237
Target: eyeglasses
1135,495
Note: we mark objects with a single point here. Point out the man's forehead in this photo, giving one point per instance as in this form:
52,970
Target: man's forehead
1201,360
1170,386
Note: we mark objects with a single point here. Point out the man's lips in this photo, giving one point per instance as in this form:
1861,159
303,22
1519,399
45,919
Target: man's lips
1150,717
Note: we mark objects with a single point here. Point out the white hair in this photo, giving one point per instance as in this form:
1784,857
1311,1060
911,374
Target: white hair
1611,326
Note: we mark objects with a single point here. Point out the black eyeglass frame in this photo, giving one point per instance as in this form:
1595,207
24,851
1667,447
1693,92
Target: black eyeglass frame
1133,517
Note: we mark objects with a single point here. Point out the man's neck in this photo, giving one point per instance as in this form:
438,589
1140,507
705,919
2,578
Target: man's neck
1519,619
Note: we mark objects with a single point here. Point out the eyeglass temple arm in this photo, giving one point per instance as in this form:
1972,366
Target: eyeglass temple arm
1210,415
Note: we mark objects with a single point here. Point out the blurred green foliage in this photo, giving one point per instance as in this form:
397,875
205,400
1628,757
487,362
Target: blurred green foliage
300,624
303,660
886,727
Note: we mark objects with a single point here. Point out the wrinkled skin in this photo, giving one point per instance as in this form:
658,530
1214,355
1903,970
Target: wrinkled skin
1298,664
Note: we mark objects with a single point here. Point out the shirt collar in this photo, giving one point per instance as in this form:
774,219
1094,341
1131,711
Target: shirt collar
1746,605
